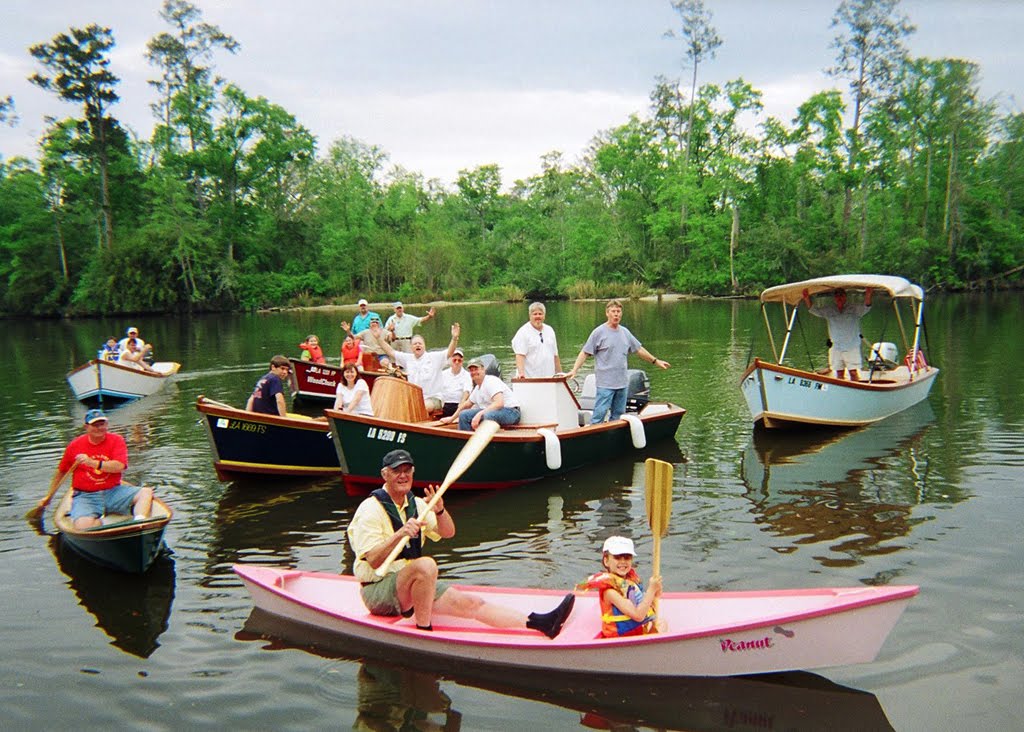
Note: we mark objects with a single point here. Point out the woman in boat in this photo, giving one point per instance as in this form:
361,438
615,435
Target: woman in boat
626,609
311,346
353,395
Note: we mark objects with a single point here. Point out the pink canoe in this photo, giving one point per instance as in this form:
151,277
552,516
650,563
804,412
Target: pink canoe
709,633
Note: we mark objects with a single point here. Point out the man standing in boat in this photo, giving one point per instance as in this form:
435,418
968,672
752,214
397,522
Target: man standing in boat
844,337
610,344
96,461
363,318
399,327
536,347
410,587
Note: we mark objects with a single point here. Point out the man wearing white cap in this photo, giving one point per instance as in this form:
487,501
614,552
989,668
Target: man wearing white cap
96,461
455,384
132,333
491,398
399,327
363,319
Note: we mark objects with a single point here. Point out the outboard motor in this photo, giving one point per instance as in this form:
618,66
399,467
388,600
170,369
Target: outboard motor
491,365
883,356
638,391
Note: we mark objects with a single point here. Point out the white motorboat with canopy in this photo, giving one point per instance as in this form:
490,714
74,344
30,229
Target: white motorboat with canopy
780,394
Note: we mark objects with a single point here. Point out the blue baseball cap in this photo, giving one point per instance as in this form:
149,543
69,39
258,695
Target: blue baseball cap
94,415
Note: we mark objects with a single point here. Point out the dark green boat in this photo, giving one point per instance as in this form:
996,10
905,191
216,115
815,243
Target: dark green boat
549,440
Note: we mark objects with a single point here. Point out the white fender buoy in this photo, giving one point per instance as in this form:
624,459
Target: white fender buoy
552,448
636,429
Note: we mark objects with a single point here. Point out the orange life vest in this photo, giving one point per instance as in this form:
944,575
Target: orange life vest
613,622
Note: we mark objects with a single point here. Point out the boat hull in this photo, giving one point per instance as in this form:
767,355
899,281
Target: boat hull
98,380
781,396
318,382
247,443
513,457
709,633
125,545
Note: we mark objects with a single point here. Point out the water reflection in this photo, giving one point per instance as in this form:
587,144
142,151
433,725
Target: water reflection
407,697
273,521
855,489
132,609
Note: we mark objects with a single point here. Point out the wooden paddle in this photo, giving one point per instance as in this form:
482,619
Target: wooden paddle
658,494
467,455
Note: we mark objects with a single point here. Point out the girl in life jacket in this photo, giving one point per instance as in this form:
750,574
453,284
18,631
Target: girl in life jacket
626,609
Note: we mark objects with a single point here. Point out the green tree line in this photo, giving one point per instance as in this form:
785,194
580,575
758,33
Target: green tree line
904,168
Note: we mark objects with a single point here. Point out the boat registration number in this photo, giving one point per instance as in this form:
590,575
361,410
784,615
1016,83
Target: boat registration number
807,383
374,433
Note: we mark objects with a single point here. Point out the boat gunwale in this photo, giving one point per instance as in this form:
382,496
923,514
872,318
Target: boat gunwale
127,369
512,434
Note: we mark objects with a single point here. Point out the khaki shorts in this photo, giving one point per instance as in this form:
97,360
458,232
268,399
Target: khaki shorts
381,598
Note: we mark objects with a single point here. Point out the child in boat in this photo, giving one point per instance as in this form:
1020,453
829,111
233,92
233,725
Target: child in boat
626,609
109,351
351,350
311,346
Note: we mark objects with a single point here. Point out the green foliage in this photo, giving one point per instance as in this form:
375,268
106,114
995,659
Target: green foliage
229,205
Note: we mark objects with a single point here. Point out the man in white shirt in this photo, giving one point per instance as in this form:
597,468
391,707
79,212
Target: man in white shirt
491,398
456,384
399,327
424,368
535,346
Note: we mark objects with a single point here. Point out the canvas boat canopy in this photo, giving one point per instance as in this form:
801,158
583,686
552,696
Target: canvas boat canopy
792,294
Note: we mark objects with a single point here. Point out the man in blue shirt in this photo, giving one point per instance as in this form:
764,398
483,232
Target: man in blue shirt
363,319
610,343
268,395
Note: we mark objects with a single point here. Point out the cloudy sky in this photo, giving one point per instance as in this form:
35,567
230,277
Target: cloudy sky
443,85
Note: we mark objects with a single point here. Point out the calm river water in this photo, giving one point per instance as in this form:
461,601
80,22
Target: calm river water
930,497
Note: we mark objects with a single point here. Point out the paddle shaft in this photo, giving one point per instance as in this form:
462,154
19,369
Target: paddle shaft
467,455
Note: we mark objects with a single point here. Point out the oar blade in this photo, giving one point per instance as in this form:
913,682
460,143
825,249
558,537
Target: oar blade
658,493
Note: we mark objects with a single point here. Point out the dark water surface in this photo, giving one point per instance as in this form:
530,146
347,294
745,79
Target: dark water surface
931,497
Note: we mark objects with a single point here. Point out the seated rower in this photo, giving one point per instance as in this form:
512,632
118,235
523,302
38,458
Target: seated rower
625,608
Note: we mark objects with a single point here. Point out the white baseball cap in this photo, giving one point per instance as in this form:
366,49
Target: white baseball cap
616,545
362,301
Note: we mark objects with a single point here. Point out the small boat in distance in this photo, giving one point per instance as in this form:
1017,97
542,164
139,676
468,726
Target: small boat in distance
121,543
100,380
709,633
780,395
553,437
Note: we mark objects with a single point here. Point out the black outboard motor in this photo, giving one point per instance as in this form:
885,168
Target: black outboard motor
638,390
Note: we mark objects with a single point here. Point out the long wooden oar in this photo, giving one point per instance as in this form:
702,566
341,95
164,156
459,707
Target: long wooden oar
467,455
658,494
